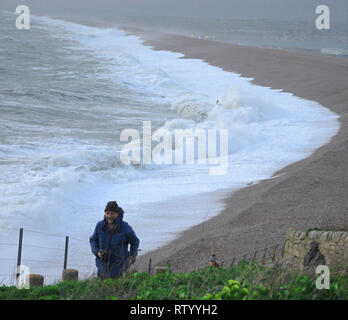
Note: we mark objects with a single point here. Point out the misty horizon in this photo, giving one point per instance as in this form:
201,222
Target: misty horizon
286,10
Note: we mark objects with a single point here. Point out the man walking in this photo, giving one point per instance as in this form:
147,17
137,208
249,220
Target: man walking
110,241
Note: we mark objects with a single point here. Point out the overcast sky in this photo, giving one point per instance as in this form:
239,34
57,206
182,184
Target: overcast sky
237,9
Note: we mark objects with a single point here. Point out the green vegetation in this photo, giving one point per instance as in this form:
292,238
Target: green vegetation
247,281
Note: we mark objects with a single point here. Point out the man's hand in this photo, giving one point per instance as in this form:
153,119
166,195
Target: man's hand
100,253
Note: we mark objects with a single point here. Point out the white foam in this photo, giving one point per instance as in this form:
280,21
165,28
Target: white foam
268,129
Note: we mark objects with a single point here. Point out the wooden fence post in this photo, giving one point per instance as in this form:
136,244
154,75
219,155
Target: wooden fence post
66,252
70,275
283,249
160,270
36,280
274,253
232,264
19,256
150,267
255,254
264,257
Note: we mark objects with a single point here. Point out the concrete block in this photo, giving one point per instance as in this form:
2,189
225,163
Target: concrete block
36,280
160,270
70,275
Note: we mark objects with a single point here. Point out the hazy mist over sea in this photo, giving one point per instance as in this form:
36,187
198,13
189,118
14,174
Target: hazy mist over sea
288,24
281,10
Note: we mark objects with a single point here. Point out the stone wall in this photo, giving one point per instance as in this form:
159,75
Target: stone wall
317,247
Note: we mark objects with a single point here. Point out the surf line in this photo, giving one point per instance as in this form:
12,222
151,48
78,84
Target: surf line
176,146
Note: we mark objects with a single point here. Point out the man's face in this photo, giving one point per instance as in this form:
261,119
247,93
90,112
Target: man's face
111,216
212,263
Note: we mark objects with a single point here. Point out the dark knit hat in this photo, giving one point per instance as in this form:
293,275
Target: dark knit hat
113,206
213,258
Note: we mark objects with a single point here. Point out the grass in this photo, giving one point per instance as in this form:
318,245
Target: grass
248,281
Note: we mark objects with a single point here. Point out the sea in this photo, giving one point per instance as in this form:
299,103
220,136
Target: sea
284,33
73,97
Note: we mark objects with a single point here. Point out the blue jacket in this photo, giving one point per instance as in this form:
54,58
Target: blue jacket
116,244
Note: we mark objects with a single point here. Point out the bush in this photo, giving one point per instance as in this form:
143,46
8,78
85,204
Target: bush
247,281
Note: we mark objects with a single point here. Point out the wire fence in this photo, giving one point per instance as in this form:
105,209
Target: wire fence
266,254
69,245
46,267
